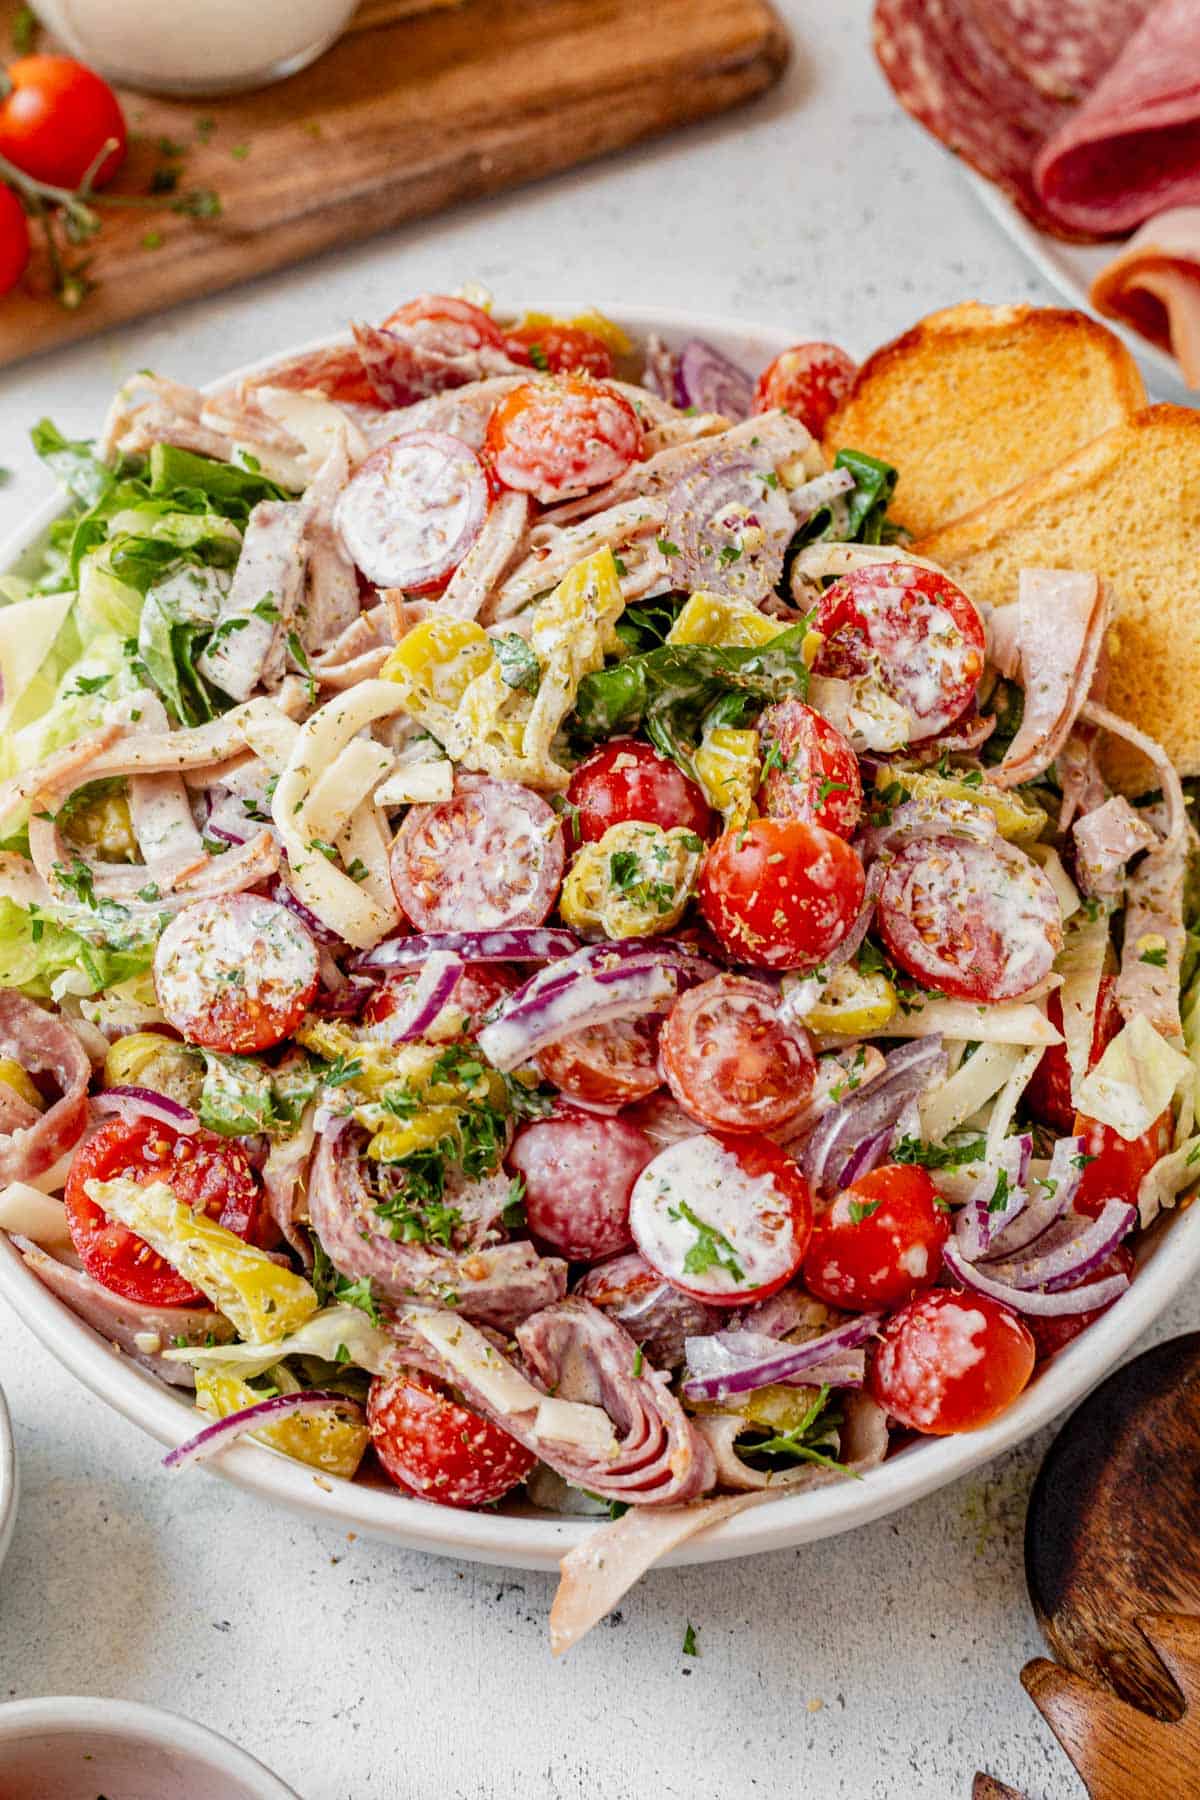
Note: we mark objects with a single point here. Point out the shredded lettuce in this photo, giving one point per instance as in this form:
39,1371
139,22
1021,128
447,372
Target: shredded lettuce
47,960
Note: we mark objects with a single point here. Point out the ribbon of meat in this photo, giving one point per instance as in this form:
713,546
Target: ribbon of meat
1051,642
41,1045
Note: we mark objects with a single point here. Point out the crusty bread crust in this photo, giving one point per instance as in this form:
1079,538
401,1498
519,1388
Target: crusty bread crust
975,399
1126,505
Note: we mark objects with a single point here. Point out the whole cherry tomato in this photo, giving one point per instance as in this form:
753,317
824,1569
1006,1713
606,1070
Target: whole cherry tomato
627,780
56,119
1115,1166
950,1362
880,1242
809,381
781,893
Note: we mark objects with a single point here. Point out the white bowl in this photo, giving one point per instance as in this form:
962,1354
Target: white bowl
1170,1259
9,1481
76,1749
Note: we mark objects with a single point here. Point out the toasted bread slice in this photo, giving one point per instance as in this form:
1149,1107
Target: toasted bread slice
976,399
1127,506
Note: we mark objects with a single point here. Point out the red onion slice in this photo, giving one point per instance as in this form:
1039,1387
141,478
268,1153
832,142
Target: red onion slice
811,496
433,988
225,1431
135,1103
874,1108
586,999
1048,1200
983,1218
1042,1306
279,891
535,943
1066,1253
711,383
729,529
747,1367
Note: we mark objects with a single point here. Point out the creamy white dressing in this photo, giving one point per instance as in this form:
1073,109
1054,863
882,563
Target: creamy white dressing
750,1217
245,947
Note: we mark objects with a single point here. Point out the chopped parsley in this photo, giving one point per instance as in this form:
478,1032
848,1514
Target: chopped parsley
519,666
1000,1193
666,547
712,1248
939,1156
343,1069
862,1209
1156,958
690,1647
79,880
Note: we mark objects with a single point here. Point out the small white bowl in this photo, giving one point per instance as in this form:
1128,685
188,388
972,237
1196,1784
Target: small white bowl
9,1482
77,1749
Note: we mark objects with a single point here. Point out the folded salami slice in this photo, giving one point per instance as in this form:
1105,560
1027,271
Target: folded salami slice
41,1045
1133,148
949,75
1063,47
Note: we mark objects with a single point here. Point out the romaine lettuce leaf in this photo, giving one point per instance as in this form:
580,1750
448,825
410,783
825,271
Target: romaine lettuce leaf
45,959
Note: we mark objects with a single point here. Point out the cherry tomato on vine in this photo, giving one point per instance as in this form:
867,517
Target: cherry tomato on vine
55,120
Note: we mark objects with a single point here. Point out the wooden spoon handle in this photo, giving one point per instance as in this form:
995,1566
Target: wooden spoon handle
1120,1751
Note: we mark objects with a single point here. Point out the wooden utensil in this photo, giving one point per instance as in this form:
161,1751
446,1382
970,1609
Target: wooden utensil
396,122
1112,1561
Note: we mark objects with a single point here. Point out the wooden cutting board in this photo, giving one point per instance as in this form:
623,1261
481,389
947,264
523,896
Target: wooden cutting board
402,117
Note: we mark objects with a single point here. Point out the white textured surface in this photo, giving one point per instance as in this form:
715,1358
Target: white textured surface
882,1667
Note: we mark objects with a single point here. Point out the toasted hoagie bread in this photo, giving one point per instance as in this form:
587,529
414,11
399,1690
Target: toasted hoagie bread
1126,505
976,399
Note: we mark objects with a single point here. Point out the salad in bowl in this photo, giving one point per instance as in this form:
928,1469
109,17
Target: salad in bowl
547,952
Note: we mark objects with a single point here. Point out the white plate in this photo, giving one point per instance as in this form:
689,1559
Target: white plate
74,1748
9,1480
529,1540
1071,269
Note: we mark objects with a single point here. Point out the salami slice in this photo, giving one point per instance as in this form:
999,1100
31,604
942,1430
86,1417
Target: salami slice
1064,48
655,1314
41,1045
947,73
412,511
729,1059
490,856
579,1172
975,921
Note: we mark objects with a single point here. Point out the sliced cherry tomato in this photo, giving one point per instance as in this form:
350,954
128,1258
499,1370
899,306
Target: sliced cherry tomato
435,1447
561,350
555,439
880,1242
480,987
208,1173
950,1362
809,381
725,1219
605,1065
975,921
1116,1166
913,632
1053,1334
56,118
627,780
490,856
235,973
781,893
14,240
730,1060
579,1170
809,770
444,323
1048,1095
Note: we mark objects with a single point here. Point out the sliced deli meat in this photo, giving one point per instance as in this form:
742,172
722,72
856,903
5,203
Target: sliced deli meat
412,511
1133,148
1062,49
578,1172
1153,284
1053,647
40,1044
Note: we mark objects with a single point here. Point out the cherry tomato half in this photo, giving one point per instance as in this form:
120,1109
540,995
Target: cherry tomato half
950,1362
913,632
206,1172
561,350
725,1219
880,1242
1116,1166
1048,1095
579,1170
628,780
1054,1333
14,240
809,381
609,1064
56,119
434,1446
780,892
809,770
729,1059
557,438
235,973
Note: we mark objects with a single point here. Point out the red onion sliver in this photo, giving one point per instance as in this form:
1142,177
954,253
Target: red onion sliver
871,1109
1065,1254
781,1363
432,989
146,1103
1041,1306
221,1432
280,892
585,999
1047,1202
538,943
